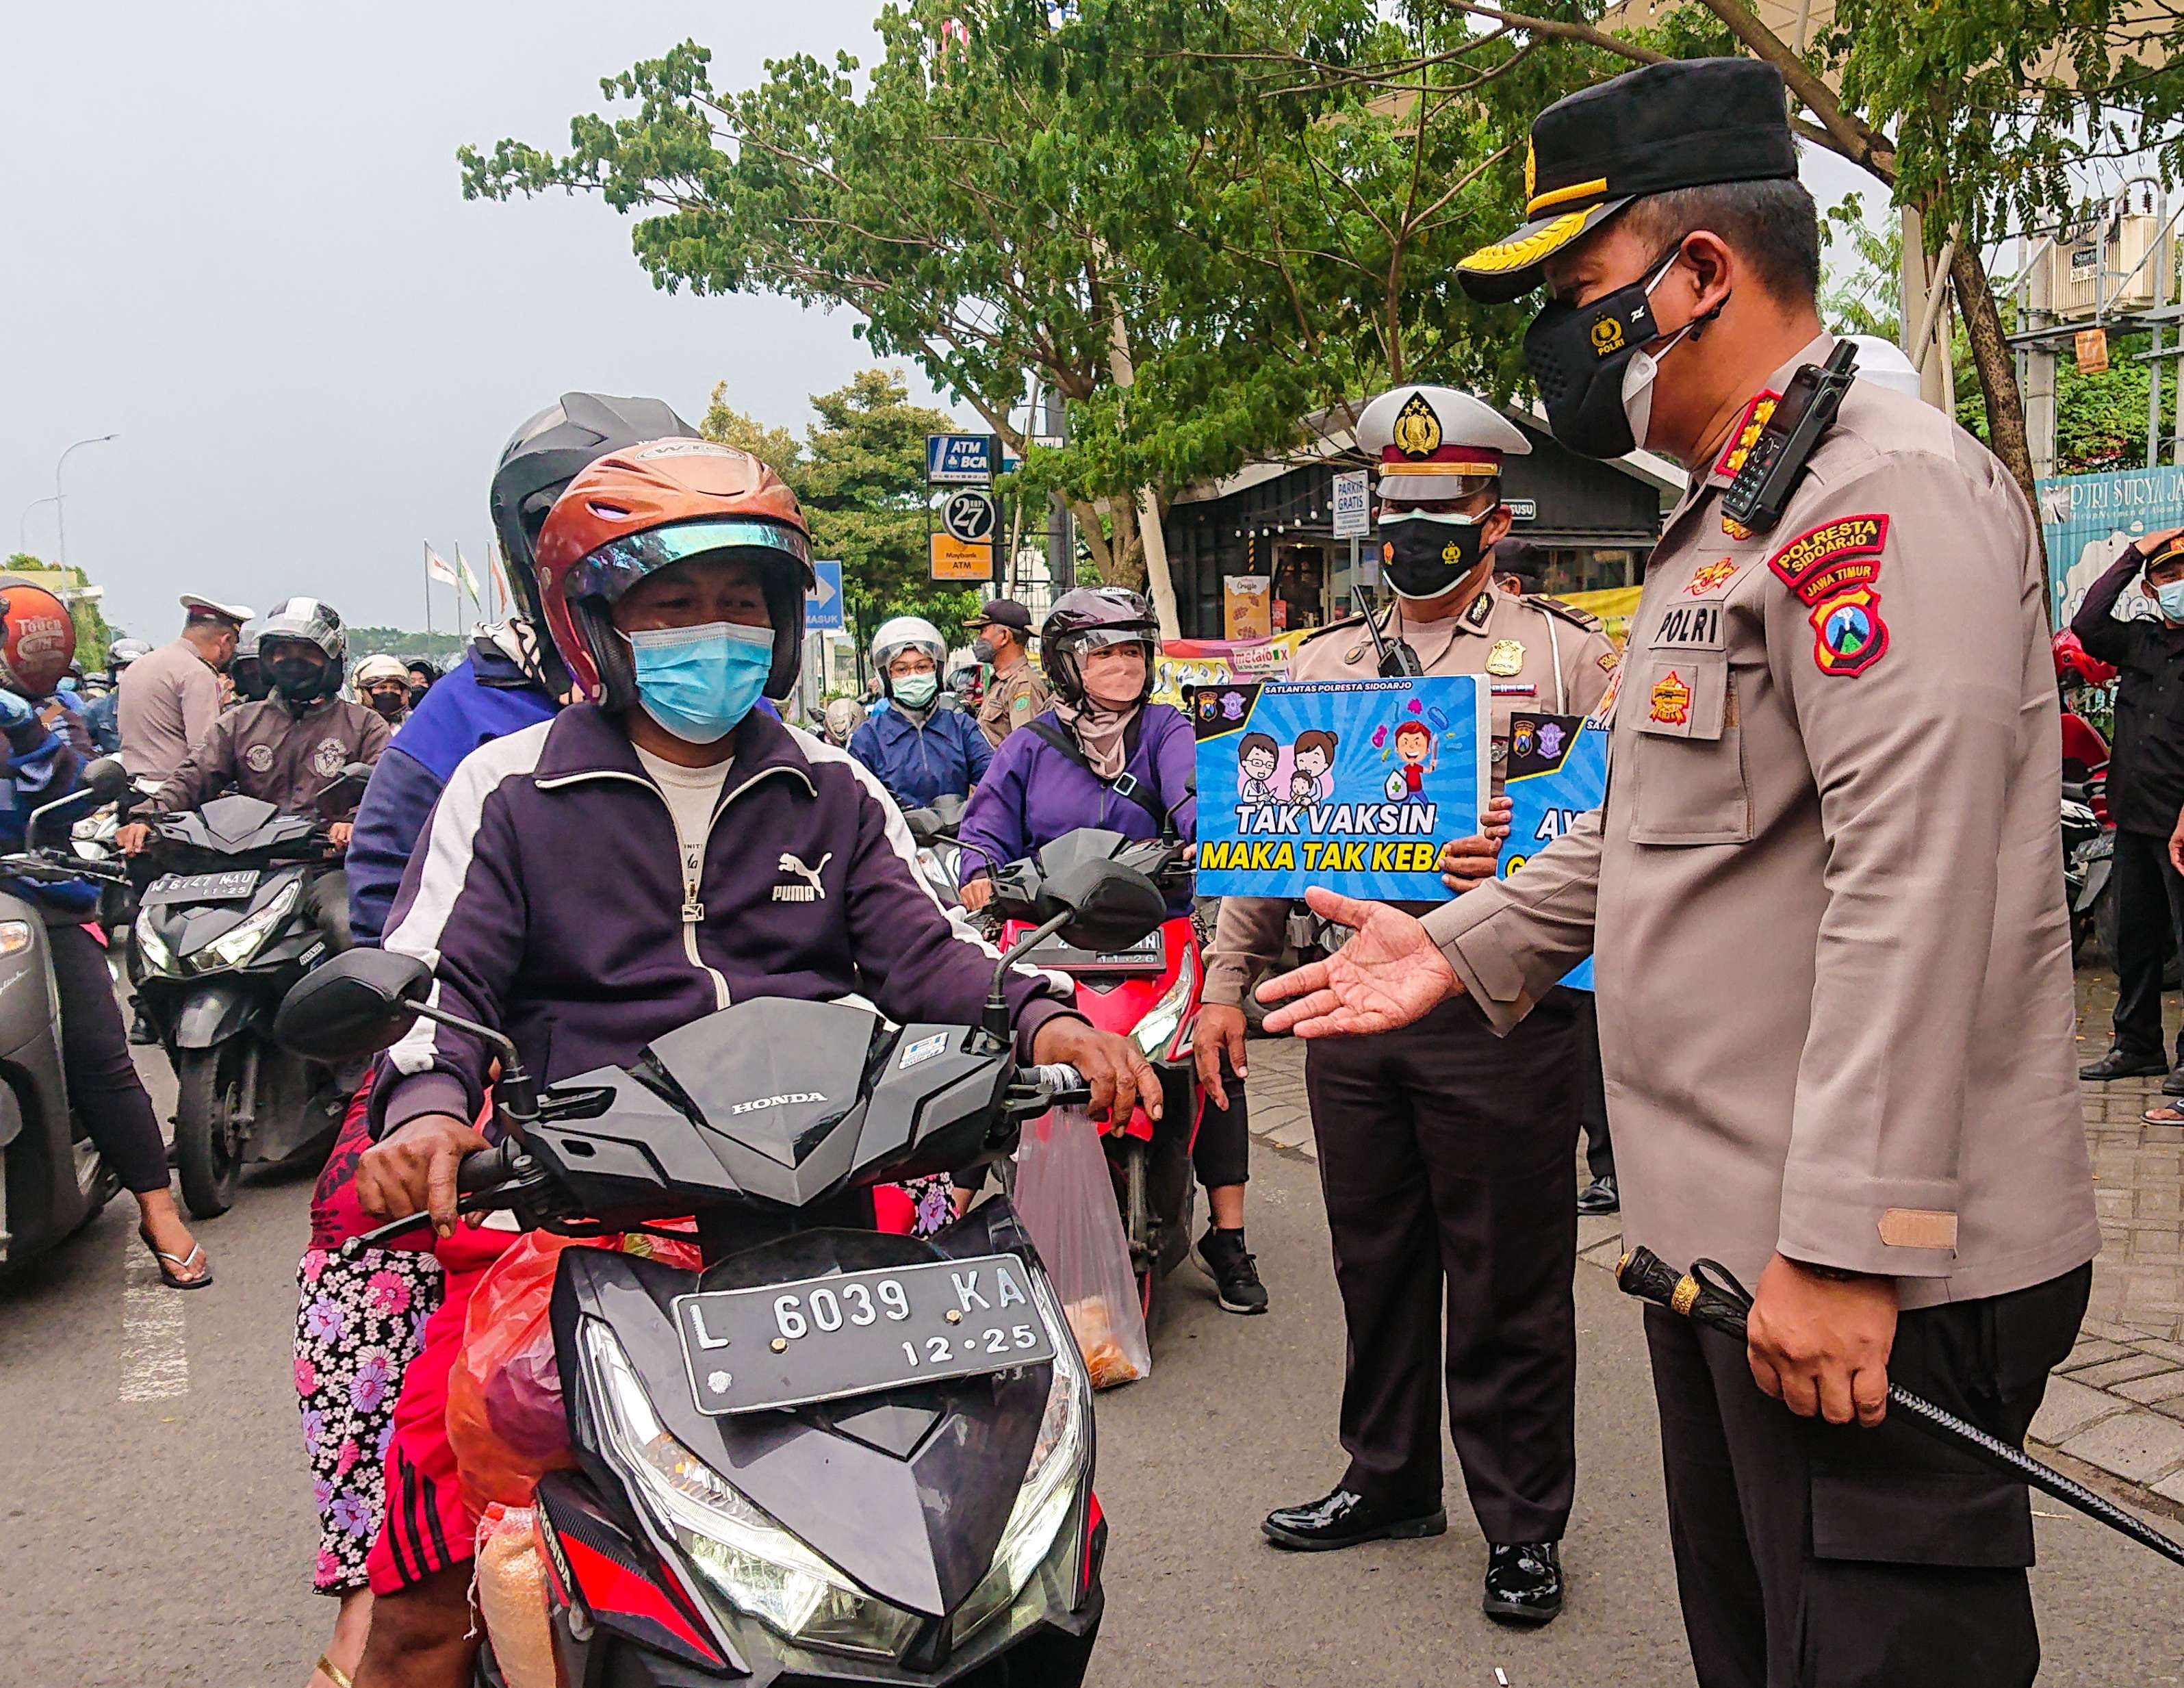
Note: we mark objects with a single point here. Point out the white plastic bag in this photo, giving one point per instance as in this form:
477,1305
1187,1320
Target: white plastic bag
1066,1197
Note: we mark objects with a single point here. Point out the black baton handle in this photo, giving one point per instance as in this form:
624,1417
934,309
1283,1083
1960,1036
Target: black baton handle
1709,1294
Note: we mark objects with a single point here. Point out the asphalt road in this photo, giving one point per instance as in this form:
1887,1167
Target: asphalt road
155,1524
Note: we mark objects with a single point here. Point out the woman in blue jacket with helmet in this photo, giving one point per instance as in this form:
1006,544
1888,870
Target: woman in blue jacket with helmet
37,644
1106,756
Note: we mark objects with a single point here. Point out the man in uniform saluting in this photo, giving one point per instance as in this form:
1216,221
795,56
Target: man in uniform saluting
1823,898
1447,1156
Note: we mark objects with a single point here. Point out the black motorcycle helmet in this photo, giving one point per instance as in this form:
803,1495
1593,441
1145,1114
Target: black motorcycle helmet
1085,619
540,458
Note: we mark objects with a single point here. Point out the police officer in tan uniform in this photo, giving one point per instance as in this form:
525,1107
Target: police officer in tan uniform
1018,693
1447,1156
1823,900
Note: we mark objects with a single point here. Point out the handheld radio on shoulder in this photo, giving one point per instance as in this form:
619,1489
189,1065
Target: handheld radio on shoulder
1770,472
1398,661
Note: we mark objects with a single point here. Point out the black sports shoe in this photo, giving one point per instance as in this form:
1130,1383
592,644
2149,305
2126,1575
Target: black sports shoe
1523,1582
1600,1196
1344,1518
1234,1270
2119,1063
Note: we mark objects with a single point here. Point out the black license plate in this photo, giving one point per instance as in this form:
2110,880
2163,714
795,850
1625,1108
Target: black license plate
786,1344
1146,956
202,888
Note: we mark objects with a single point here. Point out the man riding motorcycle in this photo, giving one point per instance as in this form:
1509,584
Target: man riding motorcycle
674,576
919,748
1105,756
383,685
102,717
286,750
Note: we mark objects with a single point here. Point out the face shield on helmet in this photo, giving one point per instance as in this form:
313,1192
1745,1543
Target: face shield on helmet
634,514
1093,618
538,462
303,648
908,634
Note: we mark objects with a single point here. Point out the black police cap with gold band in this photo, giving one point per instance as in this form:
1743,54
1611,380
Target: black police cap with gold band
1690,123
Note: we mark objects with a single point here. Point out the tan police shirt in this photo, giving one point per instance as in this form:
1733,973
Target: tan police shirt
170,699
1013,700
1539,656
1825,895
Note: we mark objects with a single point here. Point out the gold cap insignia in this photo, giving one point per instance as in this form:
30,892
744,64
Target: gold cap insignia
1531,171
1417,430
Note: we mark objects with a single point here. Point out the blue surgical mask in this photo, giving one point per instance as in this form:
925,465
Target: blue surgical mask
916,691
2171,600
699,683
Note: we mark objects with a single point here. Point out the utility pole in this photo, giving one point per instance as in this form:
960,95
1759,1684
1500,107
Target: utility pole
1060,527
61,504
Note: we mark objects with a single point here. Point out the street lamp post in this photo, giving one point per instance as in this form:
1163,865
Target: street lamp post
60,511
22,527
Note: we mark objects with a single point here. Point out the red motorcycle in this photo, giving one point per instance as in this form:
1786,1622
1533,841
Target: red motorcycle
1148,992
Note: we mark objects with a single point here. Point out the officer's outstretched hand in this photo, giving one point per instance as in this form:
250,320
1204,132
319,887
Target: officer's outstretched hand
1820,1344
1117,1070
1389,974
1466,862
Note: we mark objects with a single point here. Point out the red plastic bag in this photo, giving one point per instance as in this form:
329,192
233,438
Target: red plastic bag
505,1418
1066,1198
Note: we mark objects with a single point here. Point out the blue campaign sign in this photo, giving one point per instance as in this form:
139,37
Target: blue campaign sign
1352,784
1558,770
959,458
823,604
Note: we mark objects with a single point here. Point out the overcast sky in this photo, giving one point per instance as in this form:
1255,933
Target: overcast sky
235,236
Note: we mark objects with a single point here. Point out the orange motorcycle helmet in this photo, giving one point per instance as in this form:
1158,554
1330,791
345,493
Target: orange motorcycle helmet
633,513
39,641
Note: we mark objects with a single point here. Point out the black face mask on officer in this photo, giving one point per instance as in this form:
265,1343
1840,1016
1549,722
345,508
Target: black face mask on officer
1592,367
296,674
1429,555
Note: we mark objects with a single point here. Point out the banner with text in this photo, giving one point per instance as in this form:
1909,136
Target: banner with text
1558,770
1352,784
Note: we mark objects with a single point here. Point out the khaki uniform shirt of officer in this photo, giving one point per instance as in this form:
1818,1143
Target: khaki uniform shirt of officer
1013,699
1539,656
1823,898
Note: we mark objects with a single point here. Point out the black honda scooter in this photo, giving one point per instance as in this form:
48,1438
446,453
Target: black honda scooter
52,1181
832,1455
219,940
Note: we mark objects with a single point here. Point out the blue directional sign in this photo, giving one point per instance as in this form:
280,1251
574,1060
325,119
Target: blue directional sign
823,604
958,459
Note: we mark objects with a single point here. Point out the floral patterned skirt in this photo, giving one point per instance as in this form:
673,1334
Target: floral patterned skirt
359,1323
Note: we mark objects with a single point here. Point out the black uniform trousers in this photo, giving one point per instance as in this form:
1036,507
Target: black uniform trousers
1591,1084
1447,1157
1817,1555
2149,928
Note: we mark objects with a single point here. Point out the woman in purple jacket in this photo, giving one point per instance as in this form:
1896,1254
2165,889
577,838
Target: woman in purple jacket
1105,756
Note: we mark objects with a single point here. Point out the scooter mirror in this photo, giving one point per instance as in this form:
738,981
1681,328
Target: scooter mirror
1111,906
353,1005
924,824
342,793
106,779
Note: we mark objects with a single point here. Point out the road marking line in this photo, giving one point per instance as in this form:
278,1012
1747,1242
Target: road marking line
155,1356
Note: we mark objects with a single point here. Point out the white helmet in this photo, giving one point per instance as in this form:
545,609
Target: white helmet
1883,363
905,632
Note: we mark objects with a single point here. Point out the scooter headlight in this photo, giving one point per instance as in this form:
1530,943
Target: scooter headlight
1156,1031
763,1570
240,942
1049,1487
151,948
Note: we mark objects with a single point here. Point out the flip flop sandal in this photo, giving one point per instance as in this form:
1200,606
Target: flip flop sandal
170,1264
2173,1110
333,1673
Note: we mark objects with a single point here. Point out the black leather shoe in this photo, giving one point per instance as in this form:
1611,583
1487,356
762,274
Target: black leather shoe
2173,1085
1600,1196
1523,1582
2119,1064
1343,1519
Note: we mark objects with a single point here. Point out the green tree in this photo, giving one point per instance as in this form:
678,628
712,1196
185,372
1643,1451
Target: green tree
859,474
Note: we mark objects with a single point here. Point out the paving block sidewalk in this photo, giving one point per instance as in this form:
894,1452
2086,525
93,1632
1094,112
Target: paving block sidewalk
2117,1403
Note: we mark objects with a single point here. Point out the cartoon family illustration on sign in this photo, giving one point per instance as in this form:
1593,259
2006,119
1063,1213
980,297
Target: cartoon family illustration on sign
1413,743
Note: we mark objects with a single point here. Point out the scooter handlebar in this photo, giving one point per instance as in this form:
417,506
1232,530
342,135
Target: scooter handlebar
1065,1086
